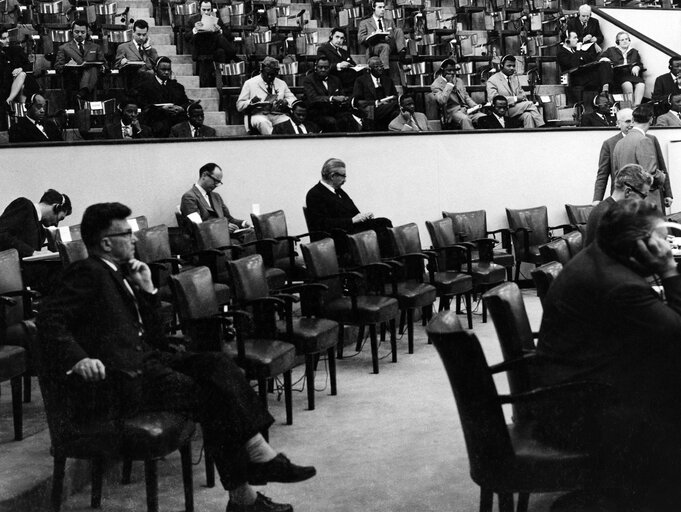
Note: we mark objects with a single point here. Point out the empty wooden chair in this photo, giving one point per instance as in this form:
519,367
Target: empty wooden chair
543,276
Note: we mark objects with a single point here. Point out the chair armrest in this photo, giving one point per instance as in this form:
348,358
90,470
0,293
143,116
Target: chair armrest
565,227
505,237
377,275
581,392
287,238
173,262
286,297
512,364
239,314
27,297
464,248
278,303
302,287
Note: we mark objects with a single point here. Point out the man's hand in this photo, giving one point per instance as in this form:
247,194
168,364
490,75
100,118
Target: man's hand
339,99
635,70
343,65
361,217
245,224
136,125
139,275
16,71
406,115
655,255
279,105
587,38
91,370
124,61
595,203
668,202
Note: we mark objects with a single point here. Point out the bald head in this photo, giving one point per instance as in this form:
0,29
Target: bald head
625,119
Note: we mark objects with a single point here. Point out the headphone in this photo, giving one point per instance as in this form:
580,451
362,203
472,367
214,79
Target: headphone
31,100
506,57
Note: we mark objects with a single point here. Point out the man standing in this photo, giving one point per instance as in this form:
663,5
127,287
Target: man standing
381,36
498,120
137,56
23,223
408,120
340,60
265,99
298,124
82,55
669,83
506,83
602,115
630,182
376,96
127,125
34,127
639,148
102,322
328,105
194,127
673,117
450,93
606,169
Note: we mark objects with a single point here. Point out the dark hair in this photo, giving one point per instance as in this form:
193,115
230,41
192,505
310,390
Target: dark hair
140,24
674,59
643,113
98,218
564,36
61,201
161,60
499,97
404,97
321,58
623,223
209,167
337,29
298,104
125,101
632,175
79,22
505,58
374,2
194,107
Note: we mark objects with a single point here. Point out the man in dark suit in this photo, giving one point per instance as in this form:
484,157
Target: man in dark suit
162,99
194,127
34,126
328,105
330,208
297,124
588,29
78,53
340,60
23,223
126,125
602,322
102,323
669,83
602,115
498,119
375,94
585,70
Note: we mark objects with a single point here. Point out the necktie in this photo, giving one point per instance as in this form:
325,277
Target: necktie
195,132
134,301
338,193
380,24
81,49
269,88
127,132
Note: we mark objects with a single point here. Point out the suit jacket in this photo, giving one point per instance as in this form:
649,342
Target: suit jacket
605,167
130,51
365,93
593,28
498,83
335,56
151,91
595,218
317,95
26,131
593,119
192,201
671,118
400,125
637,148
490,122
453,97
664,86
20,228
207,43
69,51
568,60
368,26
286,128
114,130
326,210
183,131
602,321
256,86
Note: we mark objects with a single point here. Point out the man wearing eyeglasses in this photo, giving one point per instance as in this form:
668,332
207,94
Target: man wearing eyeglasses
203,199
631,182
640,148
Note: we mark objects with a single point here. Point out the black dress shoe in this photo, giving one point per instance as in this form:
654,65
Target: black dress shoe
261,504
279,469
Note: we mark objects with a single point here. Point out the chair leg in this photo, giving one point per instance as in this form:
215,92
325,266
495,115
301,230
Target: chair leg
17,409
458,304
509,274
523,501
410,330
484,312
127,472
382,331
341,340
309,374
517,270
360,337
505,502
27,387
486,500
97,471
288,397
403,317
151,479
469,310
262,390
332,370
374,347
210,469
58,473
393,339
187,477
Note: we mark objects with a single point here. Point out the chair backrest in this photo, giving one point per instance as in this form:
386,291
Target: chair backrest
468,225
310,227
578,213
11,281
63,234
575,242
543,276
272,225
140,222
406,238
153,244
441,233
505,304
248,276
213,233
75,250
321,261
556,250
536,219
364,247
487,440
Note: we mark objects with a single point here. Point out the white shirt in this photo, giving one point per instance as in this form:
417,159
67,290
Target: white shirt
382,23
39,126
203,193
333,190
127,128
38,212
501,120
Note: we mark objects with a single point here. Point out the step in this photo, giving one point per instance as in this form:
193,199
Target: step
215,118
209,104
161,39
230,130
183,69
139,12
166,49
180,59
132,4
161,30
202,92
189,82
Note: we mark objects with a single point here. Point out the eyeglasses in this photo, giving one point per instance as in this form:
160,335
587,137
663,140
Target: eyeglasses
217,181
127,233
638,192
339,174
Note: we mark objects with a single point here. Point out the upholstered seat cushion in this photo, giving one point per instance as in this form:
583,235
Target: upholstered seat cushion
299,271
452,283
12,361
371,309
487,273
412,294
264,357
311,335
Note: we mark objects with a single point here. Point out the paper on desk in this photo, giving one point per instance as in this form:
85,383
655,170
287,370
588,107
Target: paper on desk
208,23
473,110
195,218
42,256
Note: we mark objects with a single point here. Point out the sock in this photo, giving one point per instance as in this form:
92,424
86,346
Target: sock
259,450
243,495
